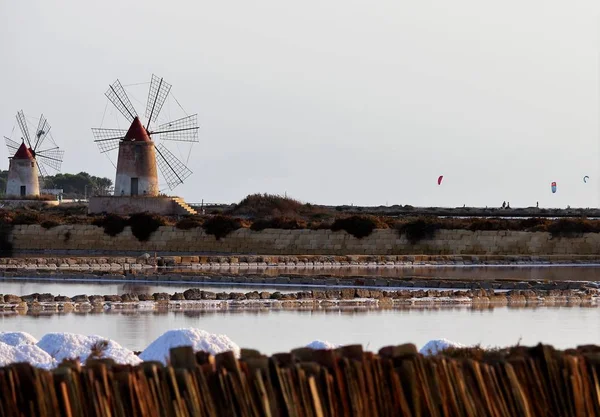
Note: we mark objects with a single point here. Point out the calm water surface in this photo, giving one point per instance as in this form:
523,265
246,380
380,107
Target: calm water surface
273,331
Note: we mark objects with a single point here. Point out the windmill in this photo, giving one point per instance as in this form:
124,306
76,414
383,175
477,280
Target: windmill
31,157
139,151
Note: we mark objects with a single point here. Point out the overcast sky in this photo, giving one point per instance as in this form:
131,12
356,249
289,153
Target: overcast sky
331,102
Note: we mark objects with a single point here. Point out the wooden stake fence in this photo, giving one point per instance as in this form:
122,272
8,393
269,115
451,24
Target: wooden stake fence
528,382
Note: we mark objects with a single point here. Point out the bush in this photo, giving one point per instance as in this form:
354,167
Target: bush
285,223
49,224
358,226
270,206
144,224
188,223
418,229
220,226
113,224
26,218
572,227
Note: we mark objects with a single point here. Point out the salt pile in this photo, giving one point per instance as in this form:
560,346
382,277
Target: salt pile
17,338
25,353
196,338
71,346
321,344
433,347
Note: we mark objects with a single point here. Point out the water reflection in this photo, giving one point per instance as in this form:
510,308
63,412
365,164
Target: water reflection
278,330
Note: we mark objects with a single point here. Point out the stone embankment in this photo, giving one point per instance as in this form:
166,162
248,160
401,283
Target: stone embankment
149,262
196,299
169,239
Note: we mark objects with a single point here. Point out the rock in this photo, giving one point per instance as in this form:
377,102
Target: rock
332,294
193,294
265,295
319,295
81,298
304,295
377,294
222,296
96,299
129,298
113,298
145,297
45,298
237,296
62,299
178,296
362,293
347,293
254,295
29,298
209,295
161,296
276,296
12,299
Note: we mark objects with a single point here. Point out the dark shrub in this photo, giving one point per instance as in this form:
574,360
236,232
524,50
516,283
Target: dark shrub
533,224
188,223
488,224
220,226
112,224
49,224
572,227
357,226
26,218
6,245
144,224
286,223
418,229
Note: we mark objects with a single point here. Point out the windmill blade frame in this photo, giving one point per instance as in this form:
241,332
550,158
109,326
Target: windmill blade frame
22,122
42,132
157,95
108,139
180,130
173,170
11,144
41,169
52,158
118,97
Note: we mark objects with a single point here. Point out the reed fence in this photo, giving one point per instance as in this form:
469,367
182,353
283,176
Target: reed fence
520,381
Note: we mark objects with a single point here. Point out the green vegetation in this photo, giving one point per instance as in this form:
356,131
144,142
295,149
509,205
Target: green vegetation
73,185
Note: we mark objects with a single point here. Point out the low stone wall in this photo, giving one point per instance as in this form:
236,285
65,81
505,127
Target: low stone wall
134,204
166,239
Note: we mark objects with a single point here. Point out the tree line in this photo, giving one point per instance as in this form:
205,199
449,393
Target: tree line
73,185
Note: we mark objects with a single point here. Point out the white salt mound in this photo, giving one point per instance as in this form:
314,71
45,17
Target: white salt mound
71,346
17,338
433,347
25,353
199,340
322,344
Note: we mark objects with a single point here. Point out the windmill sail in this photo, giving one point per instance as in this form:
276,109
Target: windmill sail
116,94
174,171
52,158
158,93
41,133
23,126
182,130
108,139
11,145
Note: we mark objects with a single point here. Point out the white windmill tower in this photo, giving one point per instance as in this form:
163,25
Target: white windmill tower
31,158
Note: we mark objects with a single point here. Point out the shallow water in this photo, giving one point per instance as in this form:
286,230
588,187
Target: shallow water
71,286
275,331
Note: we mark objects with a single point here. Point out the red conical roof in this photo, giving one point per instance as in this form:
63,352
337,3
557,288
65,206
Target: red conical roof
23,152
137,132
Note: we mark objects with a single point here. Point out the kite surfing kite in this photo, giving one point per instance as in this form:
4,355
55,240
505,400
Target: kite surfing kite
440,178
586,178
553,187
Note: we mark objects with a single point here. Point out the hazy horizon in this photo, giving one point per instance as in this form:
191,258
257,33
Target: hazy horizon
333,102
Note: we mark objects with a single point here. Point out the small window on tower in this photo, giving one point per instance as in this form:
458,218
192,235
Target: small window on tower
32,165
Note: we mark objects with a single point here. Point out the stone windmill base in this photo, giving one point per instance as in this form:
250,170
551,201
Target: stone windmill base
125,205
